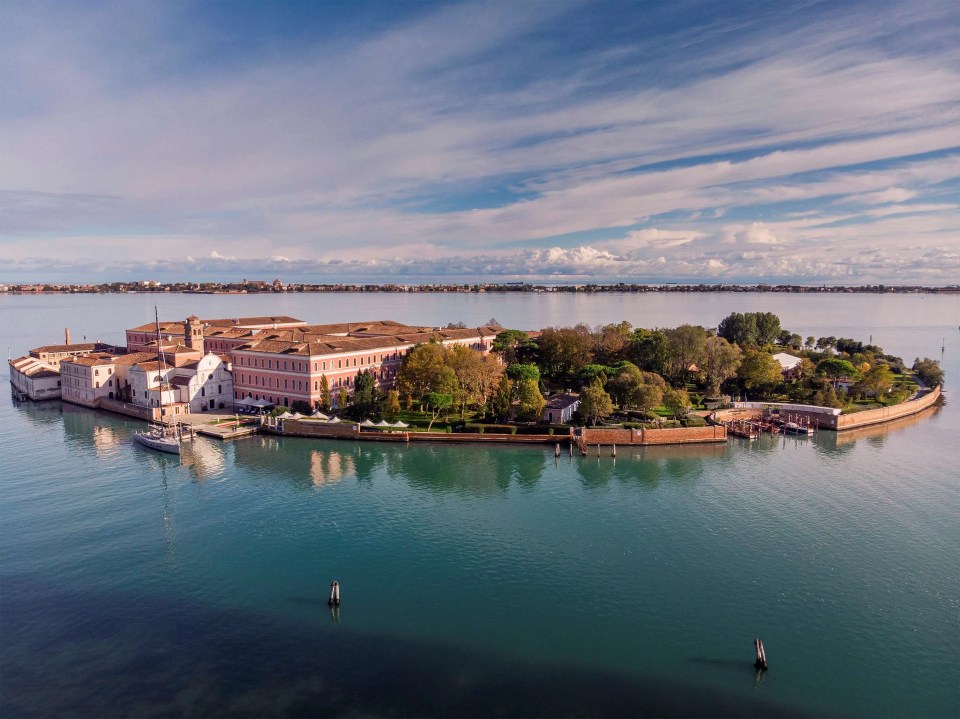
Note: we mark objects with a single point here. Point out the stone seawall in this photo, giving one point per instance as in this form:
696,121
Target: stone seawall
130,410
349,430
679,435
886,414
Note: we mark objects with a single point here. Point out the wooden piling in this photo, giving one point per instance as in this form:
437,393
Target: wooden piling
557,450
334,600
761,660
613,453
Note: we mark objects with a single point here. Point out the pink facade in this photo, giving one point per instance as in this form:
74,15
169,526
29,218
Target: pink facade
282,379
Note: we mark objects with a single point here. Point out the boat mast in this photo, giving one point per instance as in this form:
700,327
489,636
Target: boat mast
163,364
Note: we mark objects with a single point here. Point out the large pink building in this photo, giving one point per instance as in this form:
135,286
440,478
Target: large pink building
286,366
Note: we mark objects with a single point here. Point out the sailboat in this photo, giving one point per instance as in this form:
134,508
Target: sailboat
159,436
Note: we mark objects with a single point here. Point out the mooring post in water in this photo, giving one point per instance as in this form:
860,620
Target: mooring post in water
557,450
614,452
761,662
334,600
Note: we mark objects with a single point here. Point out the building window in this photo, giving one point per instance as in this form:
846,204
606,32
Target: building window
219,389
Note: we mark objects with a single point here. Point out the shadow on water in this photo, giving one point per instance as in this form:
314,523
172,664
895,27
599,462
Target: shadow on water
122,655
464,469
647,467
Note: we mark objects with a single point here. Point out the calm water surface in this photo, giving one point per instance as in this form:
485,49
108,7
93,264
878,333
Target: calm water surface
480,581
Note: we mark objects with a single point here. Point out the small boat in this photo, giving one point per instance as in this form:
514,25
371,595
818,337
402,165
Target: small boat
794,428
160,439
159,436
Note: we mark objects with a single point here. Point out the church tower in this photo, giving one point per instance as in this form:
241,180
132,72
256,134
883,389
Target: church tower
193,333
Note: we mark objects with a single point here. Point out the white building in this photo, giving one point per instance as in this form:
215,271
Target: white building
34,378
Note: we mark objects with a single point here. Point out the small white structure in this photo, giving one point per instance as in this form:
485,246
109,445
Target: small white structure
35,378
560,408
788,363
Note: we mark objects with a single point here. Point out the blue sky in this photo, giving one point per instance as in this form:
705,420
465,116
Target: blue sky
614,141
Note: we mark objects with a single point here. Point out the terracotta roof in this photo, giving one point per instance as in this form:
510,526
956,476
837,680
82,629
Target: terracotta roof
33,367
169,327
315,345
94,358
83,347
135,358
180,381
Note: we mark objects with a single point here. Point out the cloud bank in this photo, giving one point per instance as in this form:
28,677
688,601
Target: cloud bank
796,143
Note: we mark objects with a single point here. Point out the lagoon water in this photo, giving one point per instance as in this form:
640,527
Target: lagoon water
480,581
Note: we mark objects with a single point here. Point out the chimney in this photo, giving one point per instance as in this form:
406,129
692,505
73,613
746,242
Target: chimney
66,333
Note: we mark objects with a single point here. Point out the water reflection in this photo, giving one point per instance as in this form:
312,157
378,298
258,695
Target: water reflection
648,466
206,458
834,442
463,469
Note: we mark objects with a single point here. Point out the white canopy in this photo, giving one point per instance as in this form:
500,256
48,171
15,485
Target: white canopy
400,424
367,423
245,402
262,403
319,415
296,415
334,420
285,415
383,423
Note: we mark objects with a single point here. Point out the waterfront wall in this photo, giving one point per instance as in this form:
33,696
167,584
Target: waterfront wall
350,430
130,410
677,435
836,422
886,414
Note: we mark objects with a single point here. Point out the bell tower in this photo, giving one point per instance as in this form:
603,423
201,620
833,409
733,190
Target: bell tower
193,333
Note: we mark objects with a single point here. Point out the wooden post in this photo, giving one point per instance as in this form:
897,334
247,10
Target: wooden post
557,450
336,597
614,452
761,661
333,594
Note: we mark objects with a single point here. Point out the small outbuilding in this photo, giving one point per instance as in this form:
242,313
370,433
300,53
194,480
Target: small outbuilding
560,408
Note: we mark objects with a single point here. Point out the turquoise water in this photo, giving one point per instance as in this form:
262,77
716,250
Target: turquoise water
480,581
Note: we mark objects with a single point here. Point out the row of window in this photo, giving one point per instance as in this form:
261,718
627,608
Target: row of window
336,383
317,366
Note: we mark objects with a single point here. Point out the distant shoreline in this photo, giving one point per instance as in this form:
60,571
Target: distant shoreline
473,288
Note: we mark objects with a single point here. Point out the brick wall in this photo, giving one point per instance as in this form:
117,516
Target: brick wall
679,435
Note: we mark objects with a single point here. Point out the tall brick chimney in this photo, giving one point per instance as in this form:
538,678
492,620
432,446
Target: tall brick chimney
66,334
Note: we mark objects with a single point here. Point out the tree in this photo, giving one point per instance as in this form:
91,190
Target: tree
759,370
738,328
835,369
437,402
391,407
825,343
595,403
648,350
519,372
720,362
531,401
344,398
466,364
610,341
364,392
826,396
685,346
592,371
420,370
501,402
506,344
324,394
677,402
877,380
563,351
647,397
768,327
624,385
929,371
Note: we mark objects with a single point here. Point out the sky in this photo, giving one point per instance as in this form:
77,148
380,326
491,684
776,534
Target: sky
718,142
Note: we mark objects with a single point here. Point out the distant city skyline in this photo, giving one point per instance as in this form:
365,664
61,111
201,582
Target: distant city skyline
552,142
